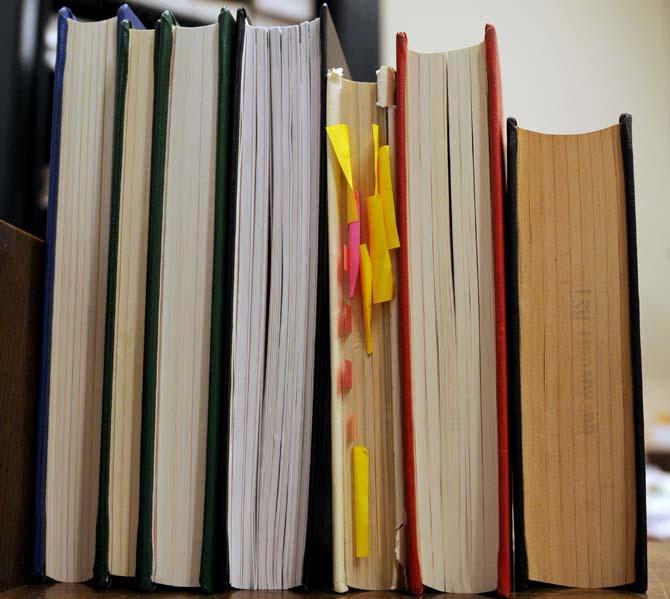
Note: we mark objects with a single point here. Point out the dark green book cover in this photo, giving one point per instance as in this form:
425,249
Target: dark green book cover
162,58
101,576
214,556
214,561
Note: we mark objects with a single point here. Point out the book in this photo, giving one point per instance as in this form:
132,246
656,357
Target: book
21,289
318,561
368,508
451,333
181,401
575,368
70,401
275,248
118,503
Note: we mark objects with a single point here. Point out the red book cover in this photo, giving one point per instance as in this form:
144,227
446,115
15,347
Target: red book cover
496,149
413,566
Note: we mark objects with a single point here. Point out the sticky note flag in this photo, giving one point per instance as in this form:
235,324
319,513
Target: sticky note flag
347,318
351,428
375,157
352,206
339,139
354,242
382,271
366,295
345,257
386,193
346,375
361,470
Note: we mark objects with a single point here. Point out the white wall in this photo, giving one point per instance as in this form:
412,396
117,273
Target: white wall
570,66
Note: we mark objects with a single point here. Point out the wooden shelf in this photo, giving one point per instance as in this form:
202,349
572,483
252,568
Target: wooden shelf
659,588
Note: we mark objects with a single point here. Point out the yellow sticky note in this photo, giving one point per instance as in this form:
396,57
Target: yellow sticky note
386,193
361,468
366,295
375,141
382,272
339,138
352,206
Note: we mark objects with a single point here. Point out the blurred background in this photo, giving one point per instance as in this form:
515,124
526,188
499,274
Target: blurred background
567,66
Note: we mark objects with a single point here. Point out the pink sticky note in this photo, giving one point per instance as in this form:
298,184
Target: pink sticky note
354,242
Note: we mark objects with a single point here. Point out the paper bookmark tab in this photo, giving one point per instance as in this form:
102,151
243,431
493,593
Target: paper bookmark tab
361,470
346,375
339,138
366,295
382,271
352,206
351,428
375,141
386,193
354,242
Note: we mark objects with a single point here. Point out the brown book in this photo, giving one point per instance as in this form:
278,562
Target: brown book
21,280
576,375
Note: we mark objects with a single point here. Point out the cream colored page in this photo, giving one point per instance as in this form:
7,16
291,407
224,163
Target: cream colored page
185,304
130,301
452,321
80,281
577,422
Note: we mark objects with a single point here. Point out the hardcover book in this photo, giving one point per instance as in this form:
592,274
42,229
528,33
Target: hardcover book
576,379
78,224
181,493
118,503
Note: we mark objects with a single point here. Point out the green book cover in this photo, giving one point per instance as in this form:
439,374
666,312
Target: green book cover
214,561
214,555
101,575
162,59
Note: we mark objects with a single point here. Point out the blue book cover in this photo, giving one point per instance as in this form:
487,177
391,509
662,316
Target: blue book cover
39,540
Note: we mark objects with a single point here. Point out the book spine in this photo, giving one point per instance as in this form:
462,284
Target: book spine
101,576
39,548
162,61
318,561
520,564
640,584
415,585
214,558
496,153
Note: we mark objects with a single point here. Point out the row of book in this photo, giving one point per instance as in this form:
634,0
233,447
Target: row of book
302,330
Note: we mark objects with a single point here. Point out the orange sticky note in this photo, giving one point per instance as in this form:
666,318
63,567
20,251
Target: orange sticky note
347,318
366,295
351,428
382,271
386,193
345,257
346,375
